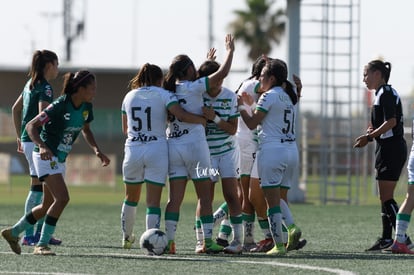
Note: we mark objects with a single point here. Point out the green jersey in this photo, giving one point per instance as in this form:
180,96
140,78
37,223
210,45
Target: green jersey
42,92
62,123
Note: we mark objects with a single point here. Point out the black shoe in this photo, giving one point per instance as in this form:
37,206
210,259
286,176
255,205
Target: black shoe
409,243
380,245
301,244
222,242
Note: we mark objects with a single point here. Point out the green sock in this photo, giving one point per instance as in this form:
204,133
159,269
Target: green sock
48,229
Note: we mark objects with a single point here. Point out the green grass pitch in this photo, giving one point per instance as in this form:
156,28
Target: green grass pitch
90,229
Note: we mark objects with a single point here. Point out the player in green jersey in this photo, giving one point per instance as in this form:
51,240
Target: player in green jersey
61,123
36,96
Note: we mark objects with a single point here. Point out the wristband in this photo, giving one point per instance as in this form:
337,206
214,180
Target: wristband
241,108
369,138
217,119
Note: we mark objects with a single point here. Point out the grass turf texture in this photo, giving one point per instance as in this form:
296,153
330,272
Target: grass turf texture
90,228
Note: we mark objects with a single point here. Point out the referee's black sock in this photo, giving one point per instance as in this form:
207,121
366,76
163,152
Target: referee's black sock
389,211
386,224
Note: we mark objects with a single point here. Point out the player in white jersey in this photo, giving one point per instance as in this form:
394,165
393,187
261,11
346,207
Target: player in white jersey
247,143
188,149
252,198
144,119
278,154
221,111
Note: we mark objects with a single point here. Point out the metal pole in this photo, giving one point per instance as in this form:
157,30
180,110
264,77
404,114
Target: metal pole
210,24
293,14
67,8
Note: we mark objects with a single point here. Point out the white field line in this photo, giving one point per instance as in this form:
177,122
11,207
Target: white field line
202,259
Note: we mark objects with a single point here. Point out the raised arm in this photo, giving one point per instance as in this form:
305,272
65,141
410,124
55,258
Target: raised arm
223,71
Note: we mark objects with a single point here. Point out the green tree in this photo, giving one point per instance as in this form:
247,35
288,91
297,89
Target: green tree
258,26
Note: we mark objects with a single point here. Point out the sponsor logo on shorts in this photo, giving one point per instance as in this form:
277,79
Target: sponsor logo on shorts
206,172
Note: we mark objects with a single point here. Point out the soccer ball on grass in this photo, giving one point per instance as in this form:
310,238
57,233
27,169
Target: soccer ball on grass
153,241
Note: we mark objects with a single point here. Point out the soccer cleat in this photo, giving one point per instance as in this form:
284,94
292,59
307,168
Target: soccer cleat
52,241
380,245
222,242
170,248
199,247
211,247
28,240
43,250
263,246
277,250
294,234
409,244
127,243
400,248
233,248
13,241
301,244
249,246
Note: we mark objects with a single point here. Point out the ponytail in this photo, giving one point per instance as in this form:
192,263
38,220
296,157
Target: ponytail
278,69
291,92
383,67
169,82
177,71
73,81
148,75
39,61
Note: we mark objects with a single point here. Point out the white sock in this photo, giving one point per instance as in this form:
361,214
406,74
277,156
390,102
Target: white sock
400,230
128,213
275,222
248,229
225,230
236,223
199,230
152,221
170,229
219,216
286,213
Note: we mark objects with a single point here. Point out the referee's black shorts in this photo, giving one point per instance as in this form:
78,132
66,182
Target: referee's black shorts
390,157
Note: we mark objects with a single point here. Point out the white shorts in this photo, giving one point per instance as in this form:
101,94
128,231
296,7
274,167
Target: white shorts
247,150
410,167
190,160
225,166
277,163
45,168
27,147
255,173
145,162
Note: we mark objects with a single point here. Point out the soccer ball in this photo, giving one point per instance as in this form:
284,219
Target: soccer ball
153,241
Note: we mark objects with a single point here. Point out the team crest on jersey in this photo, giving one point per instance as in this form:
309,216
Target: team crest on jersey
225,104
48,91
85,115
53,165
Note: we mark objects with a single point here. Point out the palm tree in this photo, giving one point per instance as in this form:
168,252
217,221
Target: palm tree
258,27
